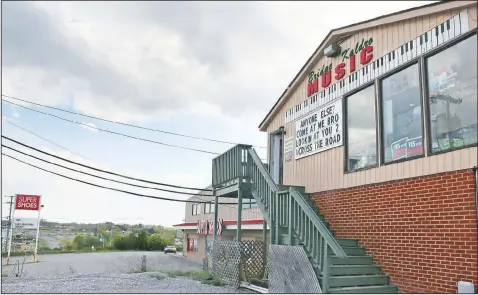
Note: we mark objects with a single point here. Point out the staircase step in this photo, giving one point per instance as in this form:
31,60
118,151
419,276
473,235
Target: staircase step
347,270
348,242
358,280
354,250
351,260
382,289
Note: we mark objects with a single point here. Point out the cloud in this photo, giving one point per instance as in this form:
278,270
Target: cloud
16,115
89,127
205,69
154,59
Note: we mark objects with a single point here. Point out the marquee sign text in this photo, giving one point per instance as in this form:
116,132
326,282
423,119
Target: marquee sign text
319,131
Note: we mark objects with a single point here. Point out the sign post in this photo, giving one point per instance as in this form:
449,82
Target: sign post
35,254
30,203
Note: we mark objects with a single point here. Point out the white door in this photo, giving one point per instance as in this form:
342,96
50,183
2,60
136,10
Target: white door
276,158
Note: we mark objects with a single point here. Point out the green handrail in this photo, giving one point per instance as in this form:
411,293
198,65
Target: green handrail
282,209
230,165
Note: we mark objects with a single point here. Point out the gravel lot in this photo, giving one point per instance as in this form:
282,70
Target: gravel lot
56,265
111,272
112,283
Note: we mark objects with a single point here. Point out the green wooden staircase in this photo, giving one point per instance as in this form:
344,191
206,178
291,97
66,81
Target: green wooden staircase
341,265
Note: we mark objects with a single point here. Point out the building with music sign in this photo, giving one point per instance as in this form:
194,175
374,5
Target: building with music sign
197,228
380,128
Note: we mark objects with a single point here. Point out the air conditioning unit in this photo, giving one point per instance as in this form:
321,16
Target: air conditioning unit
465,287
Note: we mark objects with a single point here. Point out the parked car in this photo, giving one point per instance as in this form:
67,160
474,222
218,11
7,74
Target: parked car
170,249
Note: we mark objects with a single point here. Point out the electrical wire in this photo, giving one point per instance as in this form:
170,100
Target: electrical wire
34,134
100,177
106,187
47,140
100,170
196,196
113,132
124,124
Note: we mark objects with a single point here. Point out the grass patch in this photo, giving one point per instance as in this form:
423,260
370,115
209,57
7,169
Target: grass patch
4,275
213,282
188,274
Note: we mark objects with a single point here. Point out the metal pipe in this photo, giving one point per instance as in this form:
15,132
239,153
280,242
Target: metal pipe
475,169
239,211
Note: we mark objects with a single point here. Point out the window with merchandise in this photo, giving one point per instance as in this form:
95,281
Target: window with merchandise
402,133
452,96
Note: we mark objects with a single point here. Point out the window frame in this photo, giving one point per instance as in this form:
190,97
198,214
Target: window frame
426,91
346,126
197,211
209,205
422,112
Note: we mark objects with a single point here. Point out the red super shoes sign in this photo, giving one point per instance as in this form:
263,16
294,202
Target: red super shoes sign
27,202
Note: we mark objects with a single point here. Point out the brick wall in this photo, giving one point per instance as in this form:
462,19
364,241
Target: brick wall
422,231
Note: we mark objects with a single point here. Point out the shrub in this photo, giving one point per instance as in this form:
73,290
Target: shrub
156,242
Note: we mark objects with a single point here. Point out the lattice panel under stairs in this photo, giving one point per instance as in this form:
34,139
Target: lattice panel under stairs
226,260
290,271
235,262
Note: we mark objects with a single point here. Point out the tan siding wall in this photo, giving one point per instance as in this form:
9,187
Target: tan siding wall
324,171
226,212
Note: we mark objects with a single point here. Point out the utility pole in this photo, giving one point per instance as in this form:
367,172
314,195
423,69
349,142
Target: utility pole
9,222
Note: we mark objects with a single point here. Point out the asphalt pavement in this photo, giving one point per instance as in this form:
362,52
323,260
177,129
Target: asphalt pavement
52,265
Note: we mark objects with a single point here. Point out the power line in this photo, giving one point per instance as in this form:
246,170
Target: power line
104,178
100,170
106,187
34,134
113,132
196,196
124,124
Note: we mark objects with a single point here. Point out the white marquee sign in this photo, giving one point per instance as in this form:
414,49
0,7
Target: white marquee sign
319,131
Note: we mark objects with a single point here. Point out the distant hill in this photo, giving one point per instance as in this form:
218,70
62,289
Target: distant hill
104,226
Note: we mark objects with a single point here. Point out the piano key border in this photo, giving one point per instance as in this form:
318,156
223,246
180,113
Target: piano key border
443,33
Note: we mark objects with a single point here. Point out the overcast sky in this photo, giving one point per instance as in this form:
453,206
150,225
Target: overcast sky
207,69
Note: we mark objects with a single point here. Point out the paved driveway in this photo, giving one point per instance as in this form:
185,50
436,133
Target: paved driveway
55,265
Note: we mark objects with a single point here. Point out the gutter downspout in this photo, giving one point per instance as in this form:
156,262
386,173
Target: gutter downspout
475,170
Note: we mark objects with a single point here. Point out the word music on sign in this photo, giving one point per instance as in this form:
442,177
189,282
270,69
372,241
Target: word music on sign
27,202
319,131
365,52
206,227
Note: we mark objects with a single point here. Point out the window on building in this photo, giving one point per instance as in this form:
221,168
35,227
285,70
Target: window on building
402,115
196,209
452,96
249,203
209,208
361,130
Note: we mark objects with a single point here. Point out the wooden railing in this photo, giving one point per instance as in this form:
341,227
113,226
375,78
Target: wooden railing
283,210
231,165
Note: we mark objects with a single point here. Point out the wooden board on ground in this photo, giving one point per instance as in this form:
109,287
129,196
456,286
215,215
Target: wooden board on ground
290,271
